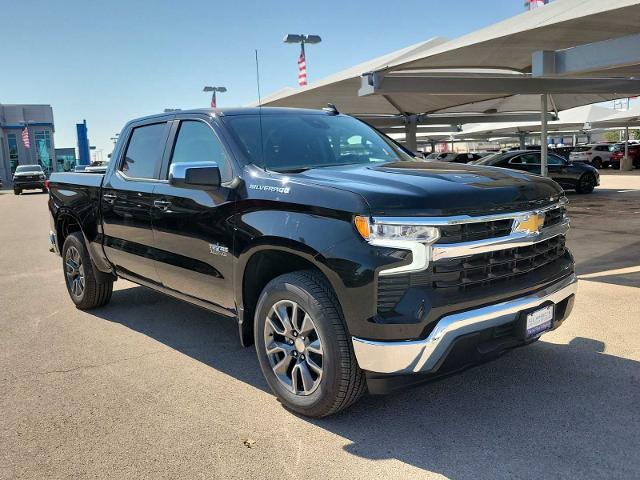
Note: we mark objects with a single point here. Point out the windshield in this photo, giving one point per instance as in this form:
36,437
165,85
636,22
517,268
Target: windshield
29,168
298,142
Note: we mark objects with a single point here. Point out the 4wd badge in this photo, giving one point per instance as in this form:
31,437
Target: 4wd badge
217,249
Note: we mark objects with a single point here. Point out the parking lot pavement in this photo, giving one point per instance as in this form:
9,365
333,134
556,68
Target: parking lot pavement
151,387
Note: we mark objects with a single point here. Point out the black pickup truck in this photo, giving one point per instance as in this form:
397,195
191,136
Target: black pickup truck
349,263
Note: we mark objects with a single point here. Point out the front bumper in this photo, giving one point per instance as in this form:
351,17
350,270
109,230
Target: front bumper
425,356
29,184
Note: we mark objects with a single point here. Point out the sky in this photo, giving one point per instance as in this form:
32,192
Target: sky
110,61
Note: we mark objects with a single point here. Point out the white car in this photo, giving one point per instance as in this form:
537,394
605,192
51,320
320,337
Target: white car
598,154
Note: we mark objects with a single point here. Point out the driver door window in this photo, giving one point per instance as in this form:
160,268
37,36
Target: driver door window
196,142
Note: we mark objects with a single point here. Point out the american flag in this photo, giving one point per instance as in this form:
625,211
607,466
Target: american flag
25,138
533,4
302,69
213,100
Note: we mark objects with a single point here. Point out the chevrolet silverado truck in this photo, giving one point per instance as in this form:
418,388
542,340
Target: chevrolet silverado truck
348,263
29,177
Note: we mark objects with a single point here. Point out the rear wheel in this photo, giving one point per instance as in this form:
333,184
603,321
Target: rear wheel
17,191
85,288
586,184
303,347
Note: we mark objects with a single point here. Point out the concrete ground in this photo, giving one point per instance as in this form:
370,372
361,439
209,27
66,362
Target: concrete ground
152,387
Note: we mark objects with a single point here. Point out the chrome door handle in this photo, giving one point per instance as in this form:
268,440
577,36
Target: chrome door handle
161,204
109,197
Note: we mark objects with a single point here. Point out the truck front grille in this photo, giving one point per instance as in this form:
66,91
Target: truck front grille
484,269
471,272
468,232
554,217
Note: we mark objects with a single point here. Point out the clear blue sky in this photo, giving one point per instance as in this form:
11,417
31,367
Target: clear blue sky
112,60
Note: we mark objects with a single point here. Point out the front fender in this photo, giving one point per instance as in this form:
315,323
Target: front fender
330,244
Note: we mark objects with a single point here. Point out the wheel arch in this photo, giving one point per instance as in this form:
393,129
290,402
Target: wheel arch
67,222
266,261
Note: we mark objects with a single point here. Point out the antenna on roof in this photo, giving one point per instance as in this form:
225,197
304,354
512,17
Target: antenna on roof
331,108
260,110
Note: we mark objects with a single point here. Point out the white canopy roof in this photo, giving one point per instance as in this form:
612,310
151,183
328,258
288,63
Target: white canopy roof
507,45
568,120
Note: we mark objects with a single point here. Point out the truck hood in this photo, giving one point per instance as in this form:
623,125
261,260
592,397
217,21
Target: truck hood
438,188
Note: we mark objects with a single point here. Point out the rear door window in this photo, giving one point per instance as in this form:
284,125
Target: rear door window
144,152
527,159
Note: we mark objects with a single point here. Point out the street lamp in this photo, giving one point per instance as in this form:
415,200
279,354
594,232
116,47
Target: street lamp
302,60
213,95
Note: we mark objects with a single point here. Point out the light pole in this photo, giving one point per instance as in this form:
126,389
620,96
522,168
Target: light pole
302,60
214,103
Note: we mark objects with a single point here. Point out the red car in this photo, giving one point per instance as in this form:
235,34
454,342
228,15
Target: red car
618,153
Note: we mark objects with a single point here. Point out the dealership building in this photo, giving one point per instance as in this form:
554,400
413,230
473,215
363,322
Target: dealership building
38,121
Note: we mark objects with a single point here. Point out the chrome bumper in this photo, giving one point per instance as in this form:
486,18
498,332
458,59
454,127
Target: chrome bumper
422,356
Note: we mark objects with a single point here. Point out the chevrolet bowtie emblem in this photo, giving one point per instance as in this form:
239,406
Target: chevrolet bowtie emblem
530,224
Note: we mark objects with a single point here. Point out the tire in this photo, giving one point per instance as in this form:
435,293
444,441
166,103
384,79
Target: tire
586,184
44,190
17,191
597,163
85,289
340,381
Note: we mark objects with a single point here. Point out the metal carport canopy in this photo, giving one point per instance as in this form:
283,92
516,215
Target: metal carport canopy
569,120
507,45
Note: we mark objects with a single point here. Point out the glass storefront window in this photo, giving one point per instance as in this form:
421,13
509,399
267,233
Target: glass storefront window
12,143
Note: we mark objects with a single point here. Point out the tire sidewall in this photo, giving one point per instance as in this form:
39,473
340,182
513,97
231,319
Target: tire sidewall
591,188
73,241
323,397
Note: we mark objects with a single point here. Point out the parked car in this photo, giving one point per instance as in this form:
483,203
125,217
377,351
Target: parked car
573,176
29,177
350,268
453,157
564,152
97,167
598,154
618,153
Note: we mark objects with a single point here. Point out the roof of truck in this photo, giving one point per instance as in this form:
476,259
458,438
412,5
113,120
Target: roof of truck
240,111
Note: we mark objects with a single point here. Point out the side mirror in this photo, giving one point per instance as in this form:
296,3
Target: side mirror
197,175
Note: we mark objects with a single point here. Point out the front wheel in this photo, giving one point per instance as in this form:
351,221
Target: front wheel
597,163
586,184
84,287
303,347
17,191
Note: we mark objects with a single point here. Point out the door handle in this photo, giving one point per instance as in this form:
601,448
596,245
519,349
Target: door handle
161,204
109,197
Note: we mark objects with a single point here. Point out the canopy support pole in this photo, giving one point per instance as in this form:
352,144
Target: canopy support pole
523,141
543,134
410,130
625,163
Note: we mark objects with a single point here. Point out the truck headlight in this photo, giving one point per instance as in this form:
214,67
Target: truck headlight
404,236
373,231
